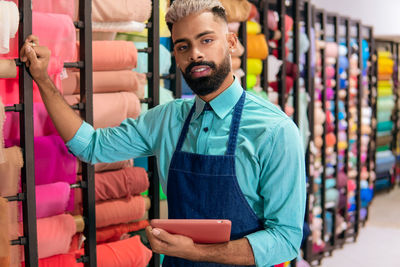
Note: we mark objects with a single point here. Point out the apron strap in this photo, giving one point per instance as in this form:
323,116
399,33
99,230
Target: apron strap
185,129
237,114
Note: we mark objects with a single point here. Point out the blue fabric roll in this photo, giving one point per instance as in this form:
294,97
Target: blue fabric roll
384,161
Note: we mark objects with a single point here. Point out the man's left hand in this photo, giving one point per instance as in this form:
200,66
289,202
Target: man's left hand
165,243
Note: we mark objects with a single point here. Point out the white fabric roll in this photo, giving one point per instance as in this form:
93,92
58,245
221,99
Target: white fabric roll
128,26
9,20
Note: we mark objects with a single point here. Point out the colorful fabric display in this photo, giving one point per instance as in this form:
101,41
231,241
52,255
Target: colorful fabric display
42,123
114,232
113,55
120,183
8,69
107,82
257,46
10,171
9,22
121,10
110,109
117,211
236,10
123,26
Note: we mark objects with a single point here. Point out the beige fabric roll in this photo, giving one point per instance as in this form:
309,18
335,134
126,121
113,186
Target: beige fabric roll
8,69
10,171
101,167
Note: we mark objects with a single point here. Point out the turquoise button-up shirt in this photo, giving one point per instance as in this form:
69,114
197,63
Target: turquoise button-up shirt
269,158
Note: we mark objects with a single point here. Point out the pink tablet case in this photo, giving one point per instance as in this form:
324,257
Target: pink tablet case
206,231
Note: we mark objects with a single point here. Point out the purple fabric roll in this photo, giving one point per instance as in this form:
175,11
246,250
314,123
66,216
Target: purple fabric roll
53,162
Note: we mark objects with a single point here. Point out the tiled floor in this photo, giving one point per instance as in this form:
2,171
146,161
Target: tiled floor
378,244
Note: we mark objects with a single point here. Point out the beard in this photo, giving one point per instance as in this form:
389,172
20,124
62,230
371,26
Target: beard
205,85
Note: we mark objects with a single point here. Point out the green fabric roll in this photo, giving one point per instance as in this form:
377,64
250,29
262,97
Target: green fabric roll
261,94
382,148
254,66
251,80
384,116
385,103
385,126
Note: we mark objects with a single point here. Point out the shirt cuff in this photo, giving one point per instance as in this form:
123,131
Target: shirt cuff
257,242
81,138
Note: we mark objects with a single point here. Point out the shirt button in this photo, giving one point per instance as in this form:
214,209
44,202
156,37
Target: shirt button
205,129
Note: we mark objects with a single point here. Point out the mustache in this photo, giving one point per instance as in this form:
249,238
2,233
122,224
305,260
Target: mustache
201,63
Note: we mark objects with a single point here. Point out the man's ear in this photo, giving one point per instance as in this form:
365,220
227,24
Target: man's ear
232,41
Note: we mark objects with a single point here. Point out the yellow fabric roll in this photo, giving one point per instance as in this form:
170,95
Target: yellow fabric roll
254,66
385,91
257,46
342,145
253,27
385,84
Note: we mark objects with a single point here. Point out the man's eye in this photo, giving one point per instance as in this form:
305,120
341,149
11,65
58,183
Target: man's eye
206,41
182,48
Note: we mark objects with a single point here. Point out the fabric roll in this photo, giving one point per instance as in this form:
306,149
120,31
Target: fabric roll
54,235
8,69
385,104
384,126
111,109
9,21
2,119
10,171
234,27
101,167
42,123
253,27
61,260
331,49
114,232
257,46
120,10
121,183
119,211
107,82
385,91
384,77
124,26
236,10
5,249
236,63
165,59
384,116
52,199
251,80
254,66
113,55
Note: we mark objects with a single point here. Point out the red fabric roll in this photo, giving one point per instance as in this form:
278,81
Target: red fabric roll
112,212
61,260
121,183
114,232
289,85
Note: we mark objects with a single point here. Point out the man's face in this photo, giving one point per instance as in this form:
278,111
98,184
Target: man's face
201,49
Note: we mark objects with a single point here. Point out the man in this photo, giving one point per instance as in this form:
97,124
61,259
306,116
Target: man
226,154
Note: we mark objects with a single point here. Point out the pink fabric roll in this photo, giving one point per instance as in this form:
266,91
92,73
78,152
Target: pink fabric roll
111,109
42,123
121,183
331,49
66,7
107,82
52,199
113,55
119,211
58,33
272,20
330,72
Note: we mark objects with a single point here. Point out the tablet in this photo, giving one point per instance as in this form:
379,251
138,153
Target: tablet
203,231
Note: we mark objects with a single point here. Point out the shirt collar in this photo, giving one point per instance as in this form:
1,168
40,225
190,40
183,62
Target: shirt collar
223,103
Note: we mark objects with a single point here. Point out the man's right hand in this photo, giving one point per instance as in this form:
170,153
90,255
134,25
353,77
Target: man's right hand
36,58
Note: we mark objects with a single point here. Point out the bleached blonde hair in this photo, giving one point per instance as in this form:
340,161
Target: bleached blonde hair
182,8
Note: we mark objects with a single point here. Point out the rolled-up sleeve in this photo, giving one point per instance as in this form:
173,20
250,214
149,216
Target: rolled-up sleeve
282,186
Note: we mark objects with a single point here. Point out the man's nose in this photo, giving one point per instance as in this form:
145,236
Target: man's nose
195,54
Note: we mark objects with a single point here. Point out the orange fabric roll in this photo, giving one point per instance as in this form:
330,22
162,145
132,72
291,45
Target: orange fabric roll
236,62
111,109
107,82
236,10
101,167
113,55
120,183
4,233
61,260
257,46
114,232
117,211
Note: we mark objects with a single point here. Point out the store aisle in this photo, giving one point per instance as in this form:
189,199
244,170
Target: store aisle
378,243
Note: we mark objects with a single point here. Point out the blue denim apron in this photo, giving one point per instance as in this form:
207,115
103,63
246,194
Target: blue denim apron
206,187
